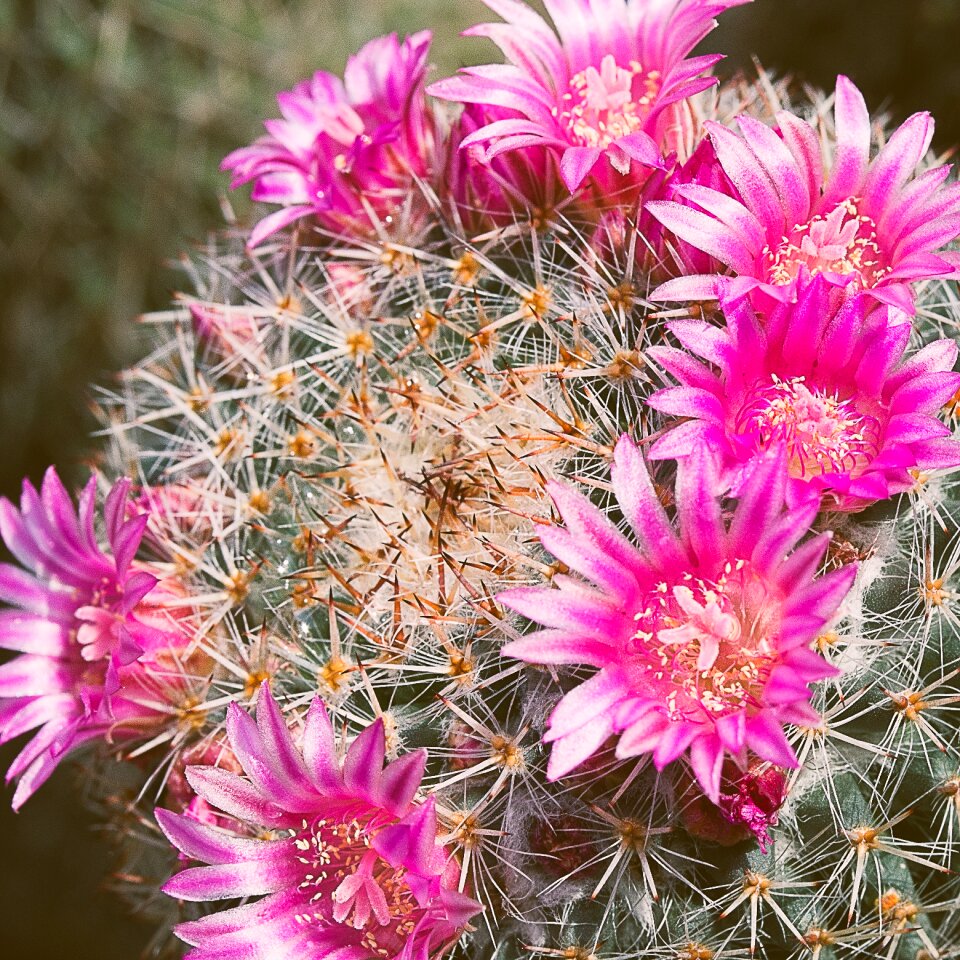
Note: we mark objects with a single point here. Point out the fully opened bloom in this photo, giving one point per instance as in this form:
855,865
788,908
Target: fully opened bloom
873,225
92,645
343,148
599,91
346,862
700,631
827,378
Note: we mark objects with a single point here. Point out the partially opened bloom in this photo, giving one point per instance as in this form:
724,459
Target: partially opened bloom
344,149
500,190
599,91
235,334
873,225
179,795
86,632
659,252
827,378
345,860
700,630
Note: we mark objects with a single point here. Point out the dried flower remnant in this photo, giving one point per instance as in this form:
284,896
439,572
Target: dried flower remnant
748,805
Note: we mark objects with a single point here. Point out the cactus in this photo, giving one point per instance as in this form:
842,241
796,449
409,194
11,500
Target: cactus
467,379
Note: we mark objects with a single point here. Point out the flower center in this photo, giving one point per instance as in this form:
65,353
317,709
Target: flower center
601,106
822,433
345,881
699,643
843,242
98,622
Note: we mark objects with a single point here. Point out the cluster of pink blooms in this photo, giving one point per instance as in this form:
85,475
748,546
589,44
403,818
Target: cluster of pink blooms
693,632
344,150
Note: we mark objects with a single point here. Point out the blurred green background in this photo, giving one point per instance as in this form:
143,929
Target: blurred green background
114,116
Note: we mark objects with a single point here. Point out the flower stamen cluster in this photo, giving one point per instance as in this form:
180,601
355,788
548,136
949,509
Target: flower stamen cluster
700,642
601,106
843,242
822,433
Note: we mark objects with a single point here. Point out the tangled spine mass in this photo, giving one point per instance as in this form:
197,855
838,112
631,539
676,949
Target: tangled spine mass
463,598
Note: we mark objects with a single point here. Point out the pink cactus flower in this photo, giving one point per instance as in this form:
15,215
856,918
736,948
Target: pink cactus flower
344,148
346,863
700,632
89,639
826,377
867,225
503,189
599,92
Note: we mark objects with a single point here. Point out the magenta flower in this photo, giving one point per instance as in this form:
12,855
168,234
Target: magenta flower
659,252
82,626
871,225
700,631
346,862
497,191
344,148
598,92
826,377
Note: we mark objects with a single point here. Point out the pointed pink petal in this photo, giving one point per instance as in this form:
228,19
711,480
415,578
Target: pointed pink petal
766,739
576,165
581,705
200,841
401,780
569,752
596,617
227,881
320,750
558,647
640,504
234,796
706,761
852,152
363,764
705,233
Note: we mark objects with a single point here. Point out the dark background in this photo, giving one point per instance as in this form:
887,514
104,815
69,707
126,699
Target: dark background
113,119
